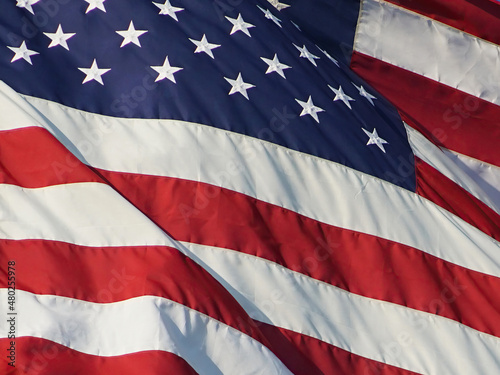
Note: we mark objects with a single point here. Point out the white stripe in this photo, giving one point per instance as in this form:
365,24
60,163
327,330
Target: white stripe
480,179
486,175
308,306
382,331
87,214
427,47
15,111
339,196
138,324
359,200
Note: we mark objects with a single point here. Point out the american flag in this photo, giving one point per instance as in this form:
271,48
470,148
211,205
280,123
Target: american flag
249,187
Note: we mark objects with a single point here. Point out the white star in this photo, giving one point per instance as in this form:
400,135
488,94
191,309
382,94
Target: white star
166,71
278,5
93,73
375,139
239,86
95,4
22,52
240,25
59,38
27,4
308,108
340,95
365,93
304,52
204,46
131,35
328,56
275,66
270,16
168,10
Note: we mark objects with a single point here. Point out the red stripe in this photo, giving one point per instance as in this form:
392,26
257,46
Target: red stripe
204,214
36,356
112,274
32,157
362,264
196,212
455,120
477,17
117,273
432,185
327,359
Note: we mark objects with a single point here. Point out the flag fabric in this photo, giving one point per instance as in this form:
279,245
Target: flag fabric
249,187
